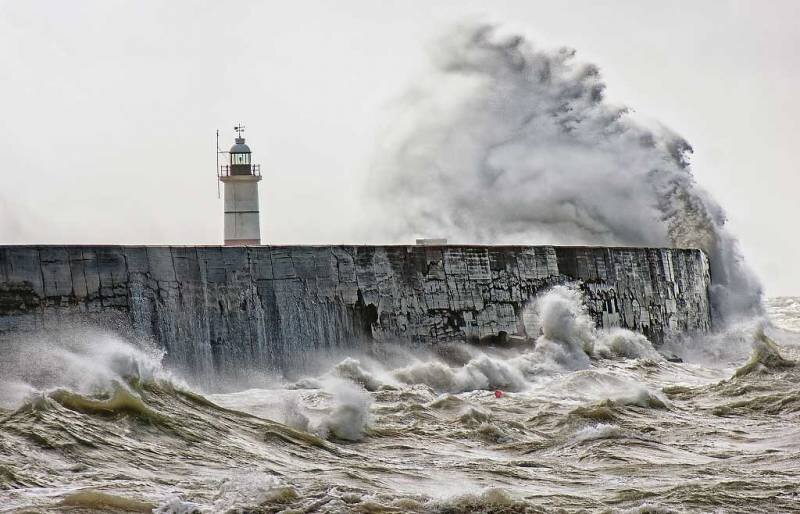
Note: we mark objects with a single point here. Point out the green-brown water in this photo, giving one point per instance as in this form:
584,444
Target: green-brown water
620,429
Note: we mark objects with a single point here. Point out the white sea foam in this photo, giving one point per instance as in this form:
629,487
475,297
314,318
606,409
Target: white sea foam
176,505
600,384
598,431
481,372
619,342
568,340
785,312
86,361
240,490
249,489
348,415
351,369
727,348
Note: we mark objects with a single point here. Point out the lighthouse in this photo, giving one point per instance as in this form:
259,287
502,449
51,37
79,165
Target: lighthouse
240,178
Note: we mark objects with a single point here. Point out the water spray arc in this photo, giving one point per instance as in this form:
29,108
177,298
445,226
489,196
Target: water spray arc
507,143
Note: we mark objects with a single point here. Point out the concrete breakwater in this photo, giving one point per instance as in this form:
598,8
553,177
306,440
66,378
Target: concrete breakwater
215,308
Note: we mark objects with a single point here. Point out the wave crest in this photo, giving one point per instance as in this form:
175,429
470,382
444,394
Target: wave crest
765,357
84,361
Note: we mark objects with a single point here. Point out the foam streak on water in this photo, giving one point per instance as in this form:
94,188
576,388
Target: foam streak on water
590,420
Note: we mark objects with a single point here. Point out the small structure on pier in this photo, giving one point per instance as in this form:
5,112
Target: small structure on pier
240,178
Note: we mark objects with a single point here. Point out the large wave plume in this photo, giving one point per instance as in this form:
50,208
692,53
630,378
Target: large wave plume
509,143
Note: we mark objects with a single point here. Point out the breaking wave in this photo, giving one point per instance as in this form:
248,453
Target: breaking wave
597,432
82,361
765,357
348,416
120,432
569,342
507,142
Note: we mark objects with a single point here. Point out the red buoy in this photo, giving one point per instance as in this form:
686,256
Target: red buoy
498,394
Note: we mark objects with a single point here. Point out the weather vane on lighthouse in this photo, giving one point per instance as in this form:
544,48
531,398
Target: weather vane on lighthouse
240,180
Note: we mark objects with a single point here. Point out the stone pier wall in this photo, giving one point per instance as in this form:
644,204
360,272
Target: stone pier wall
217,307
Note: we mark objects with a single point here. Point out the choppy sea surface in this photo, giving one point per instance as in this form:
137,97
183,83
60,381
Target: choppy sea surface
584,421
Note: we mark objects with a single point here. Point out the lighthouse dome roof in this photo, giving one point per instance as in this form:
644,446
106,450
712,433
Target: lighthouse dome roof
240,147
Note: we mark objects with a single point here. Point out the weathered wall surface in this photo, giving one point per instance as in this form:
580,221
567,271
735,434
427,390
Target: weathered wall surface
221,307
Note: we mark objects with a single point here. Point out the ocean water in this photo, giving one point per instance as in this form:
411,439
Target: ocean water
584,421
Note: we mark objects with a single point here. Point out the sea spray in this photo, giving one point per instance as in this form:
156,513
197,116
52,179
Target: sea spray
569,336
724,348
482,372
568,342
348,416
82,360
617,342
567,331
506,142
291,414
351,369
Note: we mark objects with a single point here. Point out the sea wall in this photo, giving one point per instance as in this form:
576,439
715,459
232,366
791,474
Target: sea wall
257,307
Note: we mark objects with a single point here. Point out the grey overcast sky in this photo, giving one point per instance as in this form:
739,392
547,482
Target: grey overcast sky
108,108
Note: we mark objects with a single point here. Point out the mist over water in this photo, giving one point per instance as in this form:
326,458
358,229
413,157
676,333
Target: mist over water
507,142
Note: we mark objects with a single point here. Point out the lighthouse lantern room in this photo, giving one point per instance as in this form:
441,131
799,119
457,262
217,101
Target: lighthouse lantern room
240,178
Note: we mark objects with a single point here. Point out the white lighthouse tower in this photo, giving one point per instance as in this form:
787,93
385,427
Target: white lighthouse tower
240,178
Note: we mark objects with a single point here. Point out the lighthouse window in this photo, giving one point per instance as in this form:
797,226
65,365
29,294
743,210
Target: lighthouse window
240,158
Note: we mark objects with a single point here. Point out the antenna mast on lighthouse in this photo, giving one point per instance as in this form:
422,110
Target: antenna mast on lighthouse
218,175
240,180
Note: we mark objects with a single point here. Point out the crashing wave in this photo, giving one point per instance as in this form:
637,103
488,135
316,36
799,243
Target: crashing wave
510,143
764,358
86,362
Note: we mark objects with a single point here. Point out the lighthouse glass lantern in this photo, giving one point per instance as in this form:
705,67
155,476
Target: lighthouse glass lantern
240,158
